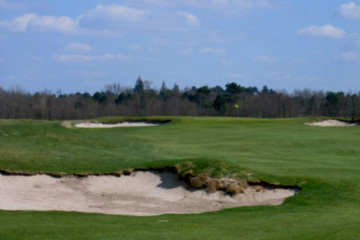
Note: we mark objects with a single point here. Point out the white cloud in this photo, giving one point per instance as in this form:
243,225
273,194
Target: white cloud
104,57
78,47
119,18
327,31
156,3
18,24
350,56
203,3
80,58
217,51
42,23
213,3
235,6
108,20
113,15
65,58
350,10
116,13
190,18
84,58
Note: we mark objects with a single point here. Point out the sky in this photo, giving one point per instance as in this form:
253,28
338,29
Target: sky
84,45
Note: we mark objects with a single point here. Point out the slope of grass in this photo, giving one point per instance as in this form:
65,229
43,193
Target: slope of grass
323,161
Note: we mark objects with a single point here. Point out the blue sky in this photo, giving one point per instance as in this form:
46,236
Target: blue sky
84,45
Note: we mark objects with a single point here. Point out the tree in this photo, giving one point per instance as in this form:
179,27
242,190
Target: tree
202,97
99,97
164,92
220,104
124,98
176,89
147,84
252,90
217,89
233,88
333,103
139,85
142,100
266,90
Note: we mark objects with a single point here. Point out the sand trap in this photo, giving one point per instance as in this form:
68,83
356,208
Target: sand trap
140,194
331,123
123,124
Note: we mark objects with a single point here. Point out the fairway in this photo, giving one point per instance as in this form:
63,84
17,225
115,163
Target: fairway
322,161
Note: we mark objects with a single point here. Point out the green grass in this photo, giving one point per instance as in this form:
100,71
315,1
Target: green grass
324,162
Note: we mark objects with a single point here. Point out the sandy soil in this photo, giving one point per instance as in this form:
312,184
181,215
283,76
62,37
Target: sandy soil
140,194
123,124
331,123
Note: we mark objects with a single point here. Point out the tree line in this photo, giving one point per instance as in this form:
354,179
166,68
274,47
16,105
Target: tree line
143,100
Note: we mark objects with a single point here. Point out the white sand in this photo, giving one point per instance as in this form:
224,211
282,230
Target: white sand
141,194
123,124
331,123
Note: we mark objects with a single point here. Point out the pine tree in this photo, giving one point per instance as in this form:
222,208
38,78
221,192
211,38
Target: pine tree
139,85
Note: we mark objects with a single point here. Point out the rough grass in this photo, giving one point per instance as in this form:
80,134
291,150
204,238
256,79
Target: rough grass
324,162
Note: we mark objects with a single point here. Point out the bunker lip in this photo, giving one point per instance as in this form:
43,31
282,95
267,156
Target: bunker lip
187,177
332,123
137,192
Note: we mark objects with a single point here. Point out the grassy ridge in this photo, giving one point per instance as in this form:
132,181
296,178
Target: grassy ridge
323,161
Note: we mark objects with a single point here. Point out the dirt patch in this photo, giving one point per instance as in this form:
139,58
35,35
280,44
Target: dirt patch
139,193
331,123
122,124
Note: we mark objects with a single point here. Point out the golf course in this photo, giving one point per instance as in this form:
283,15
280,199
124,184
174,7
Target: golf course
321,161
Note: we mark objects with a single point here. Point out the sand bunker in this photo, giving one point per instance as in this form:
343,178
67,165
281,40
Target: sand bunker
331,123
123,124
140,194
